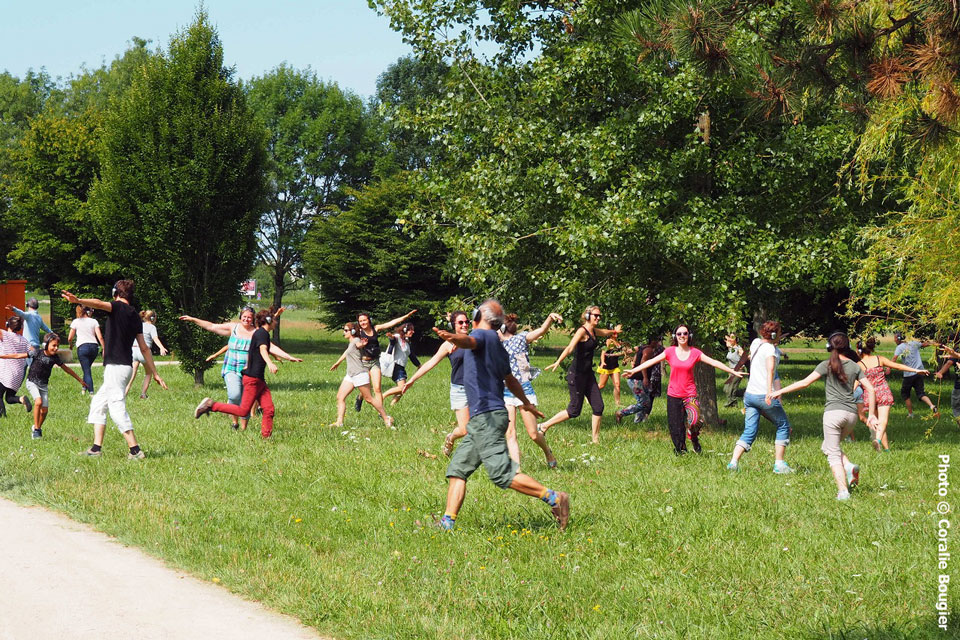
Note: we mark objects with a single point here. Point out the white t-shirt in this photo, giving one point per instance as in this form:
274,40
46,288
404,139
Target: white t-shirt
86,330
759,377
149,335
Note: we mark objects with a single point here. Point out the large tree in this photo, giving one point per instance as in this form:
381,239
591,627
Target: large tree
320,145
181,188
589,172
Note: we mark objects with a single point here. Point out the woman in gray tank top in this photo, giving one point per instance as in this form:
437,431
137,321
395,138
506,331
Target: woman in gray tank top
358,376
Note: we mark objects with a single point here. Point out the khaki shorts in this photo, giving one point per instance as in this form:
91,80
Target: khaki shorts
485,444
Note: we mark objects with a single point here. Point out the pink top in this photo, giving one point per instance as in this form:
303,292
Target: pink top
682,384
11,371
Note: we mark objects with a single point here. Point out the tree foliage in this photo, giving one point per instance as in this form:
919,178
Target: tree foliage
320,144
181,187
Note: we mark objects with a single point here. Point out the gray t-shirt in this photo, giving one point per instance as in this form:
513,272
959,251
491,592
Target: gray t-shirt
839,395
911,356
354,363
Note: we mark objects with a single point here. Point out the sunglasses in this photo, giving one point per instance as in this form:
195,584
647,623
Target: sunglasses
682,333
595,315
463,322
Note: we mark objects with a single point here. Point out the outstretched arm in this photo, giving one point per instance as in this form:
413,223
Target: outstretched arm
716,364
796,386
148,361
457,339
221,329
266,358
607,333
394,322
646,364
214,356
567,350
539,332
280,353
902,367
76,377
99,335
343,356
445,350
87,302
163,349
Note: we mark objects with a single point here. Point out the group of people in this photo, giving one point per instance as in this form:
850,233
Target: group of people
491,382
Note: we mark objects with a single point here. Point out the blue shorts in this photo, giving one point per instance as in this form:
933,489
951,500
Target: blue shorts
399,373
458,397
512,401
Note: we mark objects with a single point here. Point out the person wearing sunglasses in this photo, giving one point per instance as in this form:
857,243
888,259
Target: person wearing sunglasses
581,380
460,323
683,410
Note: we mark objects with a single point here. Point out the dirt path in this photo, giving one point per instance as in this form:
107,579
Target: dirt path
63,580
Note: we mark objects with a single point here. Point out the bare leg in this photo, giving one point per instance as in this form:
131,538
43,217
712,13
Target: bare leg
563,416
883,416
602,382
456,491
37,411
530,422
367,395
527,485
739,451
146,383
616,388
463,417
513,447
839,476
98,431
909,402
595,428
346,388
375,381
130,438
928,402
133,376
780,451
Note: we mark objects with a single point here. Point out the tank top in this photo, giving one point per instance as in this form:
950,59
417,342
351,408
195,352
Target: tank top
371,350
583,355
456,366
610,362
238,348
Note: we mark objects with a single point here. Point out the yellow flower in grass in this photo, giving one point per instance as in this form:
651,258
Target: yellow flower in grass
596,608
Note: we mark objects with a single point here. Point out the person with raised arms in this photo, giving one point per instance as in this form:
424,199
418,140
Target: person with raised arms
124,328
255,387
370,354
89,341
13,347
38,379
909,350
876,368
764,359
460,324
358,377
841,373
32,325
239,335
581,381
683,409
486,368
150,336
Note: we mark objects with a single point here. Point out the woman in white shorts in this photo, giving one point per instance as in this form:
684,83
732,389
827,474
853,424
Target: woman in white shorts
358,376
460,323
841,373
150,336
517,346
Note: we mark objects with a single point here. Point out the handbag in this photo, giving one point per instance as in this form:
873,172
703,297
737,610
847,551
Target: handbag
386,360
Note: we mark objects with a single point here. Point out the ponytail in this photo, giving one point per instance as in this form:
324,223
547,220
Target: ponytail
839,343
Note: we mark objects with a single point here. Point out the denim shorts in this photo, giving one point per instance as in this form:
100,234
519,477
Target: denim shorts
399,373
512,401
39,391
458,397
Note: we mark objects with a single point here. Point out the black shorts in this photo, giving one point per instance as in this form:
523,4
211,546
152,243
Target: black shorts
912,382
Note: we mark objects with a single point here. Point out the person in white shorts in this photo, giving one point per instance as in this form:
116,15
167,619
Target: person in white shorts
358,376
150,336
123,329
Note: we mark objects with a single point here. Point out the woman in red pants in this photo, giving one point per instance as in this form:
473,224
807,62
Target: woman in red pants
254,385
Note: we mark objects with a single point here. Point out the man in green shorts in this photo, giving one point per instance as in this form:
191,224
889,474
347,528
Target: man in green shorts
486,367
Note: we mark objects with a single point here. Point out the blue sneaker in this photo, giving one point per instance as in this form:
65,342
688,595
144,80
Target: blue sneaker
781,467
853,476
37,434
733,466
447,523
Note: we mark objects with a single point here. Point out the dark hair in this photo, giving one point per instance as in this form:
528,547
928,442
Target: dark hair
14,323
867,346
353,328
673,336
124,289
770,330
47,338
454,316
264,316
838,344
510,323
364,313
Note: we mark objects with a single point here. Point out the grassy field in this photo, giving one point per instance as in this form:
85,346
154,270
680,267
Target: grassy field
334,526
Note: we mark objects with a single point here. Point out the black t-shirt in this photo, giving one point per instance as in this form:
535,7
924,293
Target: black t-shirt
956,373
255,362
123,325
41,367
371,350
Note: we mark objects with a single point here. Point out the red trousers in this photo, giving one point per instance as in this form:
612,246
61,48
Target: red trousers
254,389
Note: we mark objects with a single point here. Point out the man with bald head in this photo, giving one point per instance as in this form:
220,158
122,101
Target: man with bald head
486,367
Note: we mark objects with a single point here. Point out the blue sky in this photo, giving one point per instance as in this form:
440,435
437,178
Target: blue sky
341,40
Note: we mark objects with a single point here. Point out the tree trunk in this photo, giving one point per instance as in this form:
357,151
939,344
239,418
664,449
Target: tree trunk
198,378
55,319
277,303
706,378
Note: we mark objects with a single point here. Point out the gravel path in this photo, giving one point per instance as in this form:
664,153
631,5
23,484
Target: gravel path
64,581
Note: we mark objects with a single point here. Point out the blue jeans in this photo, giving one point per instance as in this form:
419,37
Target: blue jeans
234,382
86,354
756,405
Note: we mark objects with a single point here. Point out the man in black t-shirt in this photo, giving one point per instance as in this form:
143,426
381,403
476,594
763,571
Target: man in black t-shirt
124,327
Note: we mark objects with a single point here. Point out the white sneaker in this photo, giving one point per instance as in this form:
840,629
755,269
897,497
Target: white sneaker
843,495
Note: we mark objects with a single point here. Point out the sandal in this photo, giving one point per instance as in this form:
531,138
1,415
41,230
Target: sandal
448,445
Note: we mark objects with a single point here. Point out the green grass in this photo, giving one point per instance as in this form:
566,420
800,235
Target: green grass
334,526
